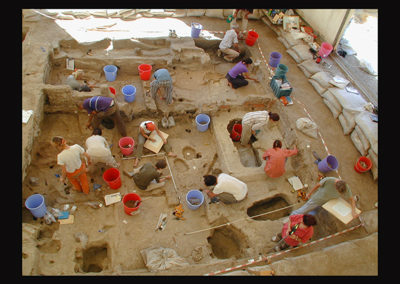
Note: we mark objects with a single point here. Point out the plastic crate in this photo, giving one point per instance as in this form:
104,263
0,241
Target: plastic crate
277,90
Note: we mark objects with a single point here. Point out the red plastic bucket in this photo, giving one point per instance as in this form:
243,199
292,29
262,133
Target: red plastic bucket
126,145
128,197
252,36
359,166
144,71
112,90
113,178
236,132
325,49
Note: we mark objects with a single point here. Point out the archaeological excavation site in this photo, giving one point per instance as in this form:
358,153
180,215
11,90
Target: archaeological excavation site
329,114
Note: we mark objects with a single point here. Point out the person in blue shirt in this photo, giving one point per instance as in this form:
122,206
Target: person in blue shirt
162,79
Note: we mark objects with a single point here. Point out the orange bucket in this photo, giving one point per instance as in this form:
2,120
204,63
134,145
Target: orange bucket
113,178
359,166
144,71
131,197
252,36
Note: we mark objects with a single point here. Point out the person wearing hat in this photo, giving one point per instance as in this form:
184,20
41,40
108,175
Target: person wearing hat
99,107
145,129
229,45
162,79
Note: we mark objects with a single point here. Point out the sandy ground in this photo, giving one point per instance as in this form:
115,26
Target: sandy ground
115,240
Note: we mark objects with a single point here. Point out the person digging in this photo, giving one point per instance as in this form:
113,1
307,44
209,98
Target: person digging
148,177
98,108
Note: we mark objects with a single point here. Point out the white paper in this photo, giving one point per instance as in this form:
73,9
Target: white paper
342,209
295,182
26,114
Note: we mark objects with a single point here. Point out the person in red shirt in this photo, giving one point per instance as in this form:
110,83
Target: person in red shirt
276,158
298,230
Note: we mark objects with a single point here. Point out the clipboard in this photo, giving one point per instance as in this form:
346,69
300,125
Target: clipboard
157,145
341,209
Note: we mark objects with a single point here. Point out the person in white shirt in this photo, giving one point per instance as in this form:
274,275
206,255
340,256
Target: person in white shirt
99,150
71,162
229,45
226,188
253,122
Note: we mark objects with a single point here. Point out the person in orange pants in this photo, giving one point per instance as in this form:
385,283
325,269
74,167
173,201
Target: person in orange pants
73,167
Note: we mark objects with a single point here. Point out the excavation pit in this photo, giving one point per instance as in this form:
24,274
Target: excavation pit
95,259
268,205
227,242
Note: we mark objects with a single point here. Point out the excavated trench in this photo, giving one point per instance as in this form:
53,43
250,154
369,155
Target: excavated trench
197,152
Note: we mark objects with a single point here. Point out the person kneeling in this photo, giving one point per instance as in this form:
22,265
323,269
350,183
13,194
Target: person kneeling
226,188
148,177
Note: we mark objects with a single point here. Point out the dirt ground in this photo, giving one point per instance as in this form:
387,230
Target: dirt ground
115,241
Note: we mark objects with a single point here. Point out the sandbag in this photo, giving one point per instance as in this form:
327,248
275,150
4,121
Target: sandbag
195,12
357,143
307,126
361,135
303,51
369,128
374,158
348,100
291,39
333,110
347,127
160,258
332,99
215,13
294,55
320,90
323,79
309,67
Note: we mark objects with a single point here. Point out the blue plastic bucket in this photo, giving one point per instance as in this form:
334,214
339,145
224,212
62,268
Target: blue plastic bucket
111,72
129,92
274,59
35,204
328,164
202,122
194,199
196,29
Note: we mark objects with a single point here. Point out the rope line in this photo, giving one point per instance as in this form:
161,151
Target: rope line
267,258
228,223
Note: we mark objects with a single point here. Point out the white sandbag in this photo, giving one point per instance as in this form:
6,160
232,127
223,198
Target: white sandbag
303,51
291,38
307,126
357,143
320,90
294,55
349,115
195,12
364,140
333,110
348,100
284,41
305,71
369,128
339,82
374,158
215,13
323,79
332,99
159,258
311,66
347,127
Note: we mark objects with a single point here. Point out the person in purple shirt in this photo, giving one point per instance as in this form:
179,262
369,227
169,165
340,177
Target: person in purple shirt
99,107
239,73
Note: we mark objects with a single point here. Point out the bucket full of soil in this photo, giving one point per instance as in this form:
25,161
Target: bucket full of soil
194,199
131,203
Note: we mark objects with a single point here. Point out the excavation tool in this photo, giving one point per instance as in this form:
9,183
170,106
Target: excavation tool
316,157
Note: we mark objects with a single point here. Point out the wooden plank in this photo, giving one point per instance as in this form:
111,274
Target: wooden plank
157,145
341,209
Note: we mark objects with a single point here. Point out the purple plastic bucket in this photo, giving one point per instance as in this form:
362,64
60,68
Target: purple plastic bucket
328,164
274,59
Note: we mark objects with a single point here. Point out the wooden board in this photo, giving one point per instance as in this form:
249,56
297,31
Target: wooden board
341,209
155,146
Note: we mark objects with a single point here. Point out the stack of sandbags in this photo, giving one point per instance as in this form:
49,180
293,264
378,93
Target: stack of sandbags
309,67
365,138
300,52
320,81
290,39
345,106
